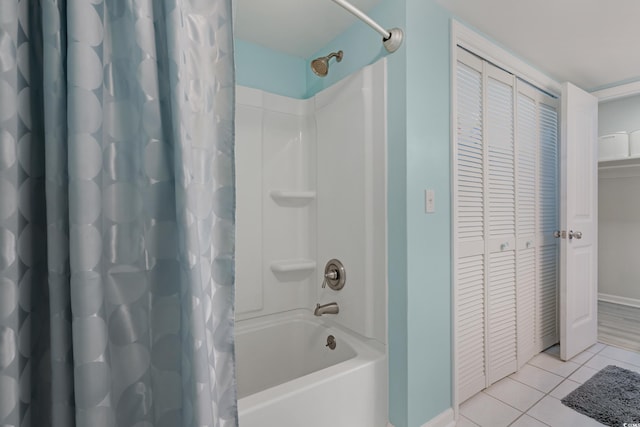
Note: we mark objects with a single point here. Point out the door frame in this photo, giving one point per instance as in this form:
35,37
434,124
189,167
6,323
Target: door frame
483,47
477,44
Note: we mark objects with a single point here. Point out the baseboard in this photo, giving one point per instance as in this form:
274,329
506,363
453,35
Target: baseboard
619,324
614,299
445,419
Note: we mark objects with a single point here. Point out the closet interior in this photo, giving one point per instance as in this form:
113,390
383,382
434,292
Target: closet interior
619,222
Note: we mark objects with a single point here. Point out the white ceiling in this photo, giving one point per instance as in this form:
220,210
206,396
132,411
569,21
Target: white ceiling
591,43
296,27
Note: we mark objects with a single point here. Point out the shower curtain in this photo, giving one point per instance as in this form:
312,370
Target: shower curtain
116,213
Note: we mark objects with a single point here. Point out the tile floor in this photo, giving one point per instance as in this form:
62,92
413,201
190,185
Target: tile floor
531,397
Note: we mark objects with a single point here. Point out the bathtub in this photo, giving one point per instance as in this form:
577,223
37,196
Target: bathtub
288,377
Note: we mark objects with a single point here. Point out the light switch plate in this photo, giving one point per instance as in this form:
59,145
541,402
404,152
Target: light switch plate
429,201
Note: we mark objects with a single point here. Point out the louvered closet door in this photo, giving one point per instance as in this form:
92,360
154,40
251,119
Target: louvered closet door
526,193
505,213
500,216
469,228
547,222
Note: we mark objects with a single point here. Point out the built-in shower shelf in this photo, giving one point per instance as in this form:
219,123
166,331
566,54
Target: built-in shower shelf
292,198
293,266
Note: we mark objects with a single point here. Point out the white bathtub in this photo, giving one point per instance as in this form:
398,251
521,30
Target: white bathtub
287,377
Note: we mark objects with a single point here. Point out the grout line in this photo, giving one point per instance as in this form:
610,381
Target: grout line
545,394
523,414
499,400
618,360
555,373
469,420
517,409
542,369
597,352
528,385
592,356
580,365
550,391
564,378
538,401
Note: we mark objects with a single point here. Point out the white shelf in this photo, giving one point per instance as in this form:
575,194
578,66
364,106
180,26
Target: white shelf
292,198
293,266
615,163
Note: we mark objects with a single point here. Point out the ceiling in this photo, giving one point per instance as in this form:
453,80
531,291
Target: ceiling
296,27
592,43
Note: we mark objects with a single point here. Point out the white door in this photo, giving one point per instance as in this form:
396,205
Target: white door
578,221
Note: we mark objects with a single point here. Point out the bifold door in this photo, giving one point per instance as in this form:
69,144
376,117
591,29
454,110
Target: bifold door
505,200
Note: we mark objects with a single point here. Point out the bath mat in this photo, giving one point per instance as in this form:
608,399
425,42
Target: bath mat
611,396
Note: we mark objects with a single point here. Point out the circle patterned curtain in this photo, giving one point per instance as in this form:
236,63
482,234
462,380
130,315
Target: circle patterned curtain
117,208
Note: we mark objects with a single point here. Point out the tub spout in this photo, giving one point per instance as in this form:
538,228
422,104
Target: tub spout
331,308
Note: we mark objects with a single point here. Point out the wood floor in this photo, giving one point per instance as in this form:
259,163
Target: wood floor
619,325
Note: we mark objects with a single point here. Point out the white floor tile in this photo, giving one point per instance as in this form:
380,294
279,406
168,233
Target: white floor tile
596,348
487,411
621,355
496,406
583,374
598,362
527,421
582,357
513,393
565,387
465,422
554,365
551,411
537,378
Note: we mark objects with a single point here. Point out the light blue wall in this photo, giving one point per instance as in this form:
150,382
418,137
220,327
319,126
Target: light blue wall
360,44
259,67
418,158
429,235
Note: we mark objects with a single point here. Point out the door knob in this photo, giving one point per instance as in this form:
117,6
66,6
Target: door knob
575,234
571,234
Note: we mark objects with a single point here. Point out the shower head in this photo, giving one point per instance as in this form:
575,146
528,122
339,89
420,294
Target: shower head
320,66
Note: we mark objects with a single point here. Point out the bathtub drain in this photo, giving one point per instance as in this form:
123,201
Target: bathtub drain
331,342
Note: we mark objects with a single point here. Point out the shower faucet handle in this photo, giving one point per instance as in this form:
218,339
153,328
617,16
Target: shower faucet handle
334,275
331,275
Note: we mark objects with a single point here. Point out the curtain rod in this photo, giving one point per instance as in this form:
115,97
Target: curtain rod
391,39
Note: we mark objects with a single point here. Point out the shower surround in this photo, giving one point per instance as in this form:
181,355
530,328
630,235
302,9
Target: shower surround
312,187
